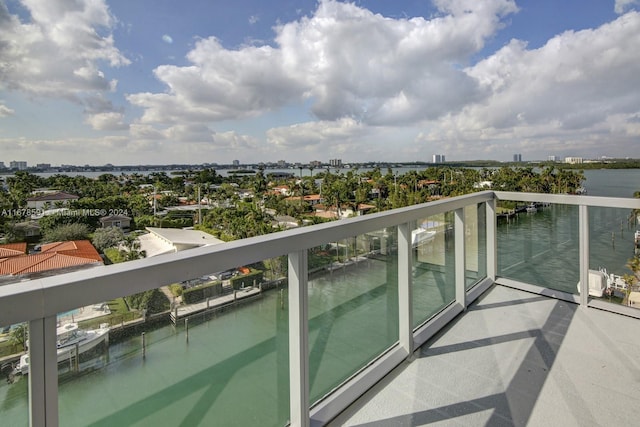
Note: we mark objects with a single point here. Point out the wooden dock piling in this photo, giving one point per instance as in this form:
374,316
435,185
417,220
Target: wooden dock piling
144,346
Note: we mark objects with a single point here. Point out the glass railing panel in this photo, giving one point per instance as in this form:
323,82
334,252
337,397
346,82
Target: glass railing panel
211,350
433,251
475,244
353,306
14,386
539,244
613,246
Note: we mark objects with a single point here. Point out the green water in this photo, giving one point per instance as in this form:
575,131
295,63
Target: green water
234,368
543,248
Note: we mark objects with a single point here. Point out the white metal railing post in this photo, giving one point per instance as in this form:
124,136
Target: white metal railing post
459,232
43,373
405,276
583,225
492,239
298,340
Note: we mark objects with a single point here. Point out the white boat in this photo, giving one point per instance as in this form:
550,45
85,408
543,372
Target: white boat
70,340
600,280
597,283
615,281
532,208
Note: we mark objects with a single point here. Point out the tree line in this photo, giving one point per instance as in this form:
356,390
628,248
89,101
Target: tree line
245,205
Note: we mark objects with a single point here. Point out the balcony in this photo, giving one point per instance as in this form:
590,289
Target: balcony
436,312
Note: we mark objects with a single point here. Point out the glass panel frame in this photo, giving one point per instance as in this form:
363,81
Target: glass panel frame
539,244
433,251
352,306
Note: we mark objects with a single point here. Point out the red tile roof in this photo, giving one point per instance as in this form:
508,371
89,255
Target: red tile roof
13,249
52,256
60,195
78,248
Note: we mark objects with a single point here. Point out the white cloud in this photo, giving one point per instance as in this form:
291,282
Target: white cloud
107,121
346,60
189,133
5,111
221,85
253,19
363,85
167,38
567,88
308,134
232,142
622,6
59,50
145,132
357,71
193,138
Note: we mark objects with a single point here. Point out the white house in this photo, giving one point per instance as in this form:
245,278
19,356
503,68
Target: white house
48,200
169,240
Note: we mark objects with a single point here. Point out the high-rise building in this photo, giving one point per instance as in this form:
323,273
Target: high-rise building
336,163
236,163
438,158
573,160
517,157
18,165
552,158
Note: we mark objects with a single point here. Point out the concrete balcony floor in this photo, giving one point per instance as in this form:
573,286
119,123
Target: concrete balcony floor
514,358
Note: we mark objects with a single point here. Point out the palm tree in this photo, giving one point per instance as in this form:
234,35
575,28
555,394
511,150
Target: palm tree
131,249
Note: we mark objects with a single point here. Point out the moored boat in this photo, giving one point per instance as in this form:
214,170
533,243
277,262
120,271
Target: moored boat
71,341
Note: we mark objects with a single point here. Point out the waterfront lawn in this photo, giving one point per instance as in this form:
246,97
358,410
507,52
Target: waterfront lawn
8,347
119,313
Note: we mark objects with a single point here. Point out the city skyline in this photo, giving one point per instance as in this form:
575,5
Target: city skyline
159,82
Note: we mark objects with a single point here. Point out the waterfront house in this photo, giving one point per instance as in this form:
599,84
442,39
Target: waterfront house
169,240
51,256
8,250
30,230
47,200
121,221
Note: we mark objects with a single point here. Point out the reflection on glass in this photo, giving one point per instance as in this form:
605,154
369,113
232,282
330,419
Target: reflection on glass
353,306
539,244
475,244
433,266
211,350
612,250
14,387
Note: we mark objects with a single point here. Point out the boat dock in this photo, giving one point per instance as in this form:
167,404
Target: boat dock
510,213
183,311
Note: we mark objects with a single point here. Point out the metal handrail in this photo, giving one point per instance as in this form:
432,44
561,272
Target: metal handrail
40,298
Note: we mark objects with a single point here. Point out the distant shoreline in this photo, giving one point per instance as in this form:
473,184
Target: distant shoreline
253,168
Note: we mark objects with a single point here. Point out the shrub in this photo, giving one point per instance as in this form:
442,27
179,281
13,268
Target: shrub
202,292
247,280
154,301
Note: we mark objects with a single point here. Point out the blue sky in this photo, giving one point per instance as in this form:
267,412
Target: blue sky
199,81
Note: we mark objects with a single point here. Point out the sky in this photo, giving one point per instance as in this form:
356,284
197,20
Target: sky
198,81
